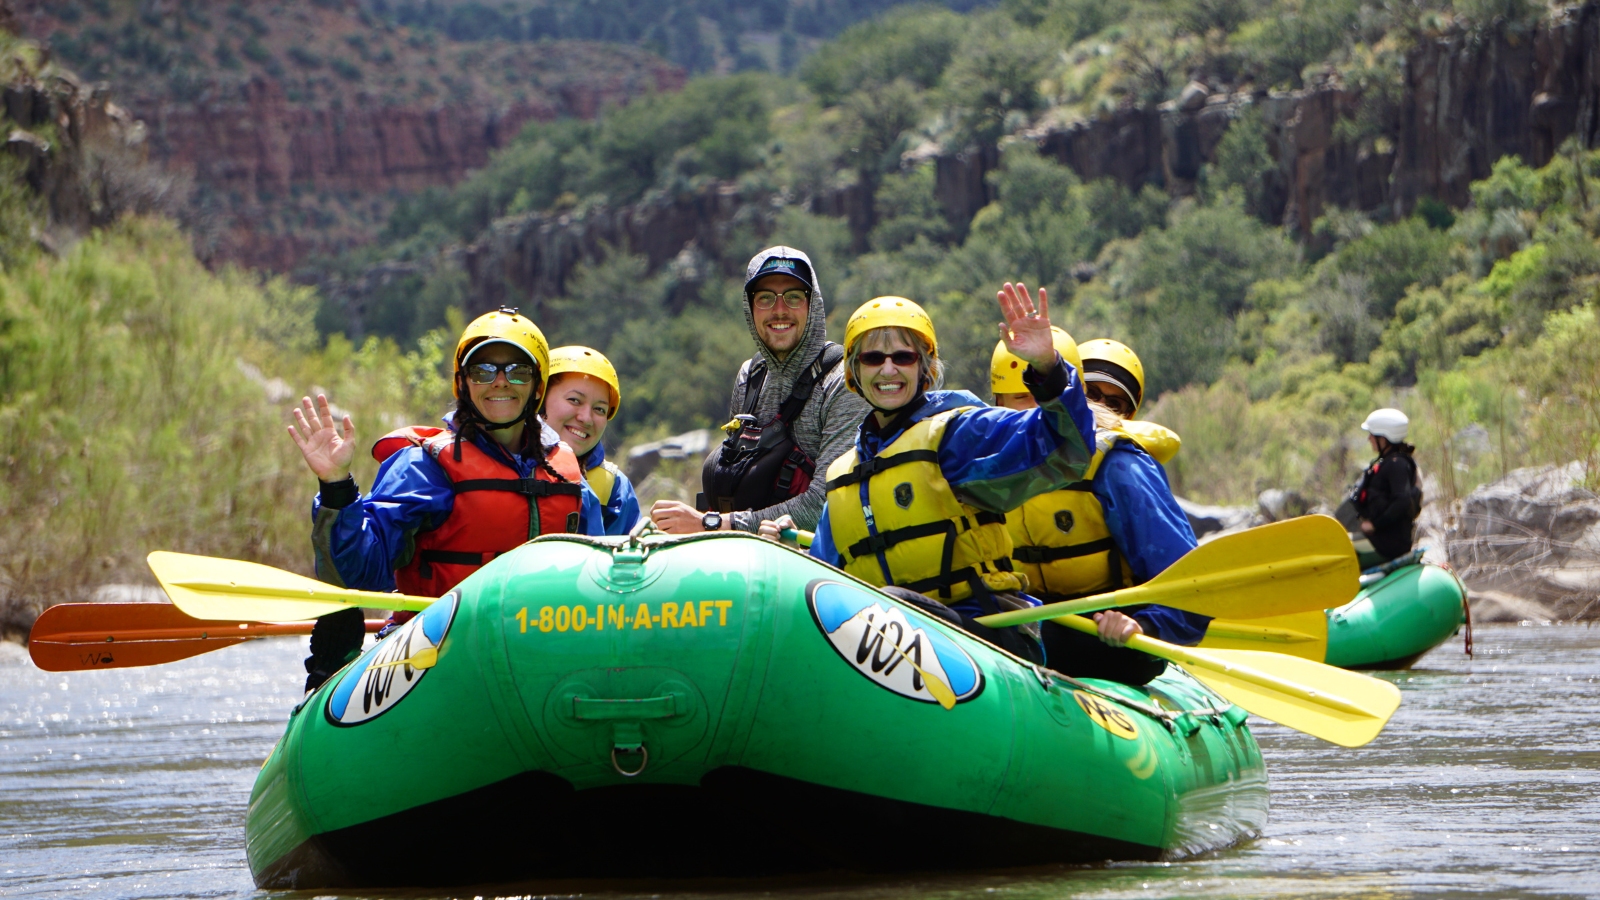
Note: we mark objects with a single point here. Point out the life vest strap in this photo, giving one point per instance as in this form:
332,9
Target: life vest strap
530,487
450,558
883,540
943,582
1040,555
877,464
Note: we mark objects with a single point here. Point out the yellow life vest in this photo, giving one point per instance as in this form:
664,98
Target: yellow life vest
603,480
1061,542
913,532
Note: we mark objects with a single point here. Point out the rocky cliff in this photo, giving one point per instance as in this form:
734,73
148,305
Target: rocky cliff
298,123
1466,99
256,149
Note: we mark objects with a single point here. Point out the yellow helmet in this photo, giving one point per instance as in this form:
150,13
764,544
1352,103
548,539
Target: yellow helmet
887,312
1114,363
585,361
1005,367
508,326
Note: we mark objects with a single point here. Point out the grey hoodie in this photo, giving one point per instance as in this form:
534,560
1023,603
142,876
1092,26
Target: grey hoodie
826,427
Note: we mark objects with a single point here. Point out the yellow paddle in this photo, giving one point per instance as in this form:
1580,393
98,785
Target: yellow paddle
1337,705
1287,567
1303,634
207,587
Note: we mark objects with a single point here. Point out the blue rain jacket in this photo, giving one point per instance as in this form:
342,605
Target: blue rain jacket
1151,531
358,546
621,509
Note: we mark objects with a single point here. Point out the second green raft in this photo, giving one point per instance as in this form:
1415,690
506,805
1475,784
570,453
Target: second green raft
719,705
1390,624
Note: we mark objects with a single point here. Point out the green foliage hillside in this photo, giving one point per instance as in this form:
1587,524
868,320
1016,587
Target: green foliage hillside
147,401
1266,347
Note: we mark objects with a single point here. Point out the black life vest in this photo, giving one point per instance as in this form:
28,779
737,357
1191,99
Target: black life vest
759,465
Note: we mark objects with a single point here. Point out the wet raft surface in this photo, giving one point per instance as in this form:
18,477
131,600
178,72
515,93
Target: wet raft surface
133,783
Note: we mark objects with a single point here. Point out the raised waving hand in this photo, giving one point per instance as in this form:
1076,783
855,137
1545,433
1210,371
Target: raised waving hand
327,448
1026,329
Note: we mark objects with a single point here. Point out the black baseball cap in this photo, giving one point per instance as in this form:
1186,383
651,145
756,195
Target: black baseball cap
781,265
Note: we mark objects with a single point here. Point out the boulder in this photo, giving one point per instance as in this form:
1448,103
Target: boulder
1277,505
1210,522
1527,546
643,459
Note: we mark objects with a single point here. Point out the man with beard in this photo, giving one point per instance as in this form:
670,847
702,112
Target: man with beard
791,415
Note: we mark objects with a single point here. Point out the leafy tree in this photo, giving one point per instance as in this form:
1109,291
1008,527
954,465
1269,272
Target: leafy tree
912,43
1183,285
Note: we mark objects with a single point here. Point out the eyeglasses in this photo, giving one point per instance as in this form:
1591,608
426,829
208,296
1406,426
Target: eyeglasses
902,358
1116,402
768,299
516,373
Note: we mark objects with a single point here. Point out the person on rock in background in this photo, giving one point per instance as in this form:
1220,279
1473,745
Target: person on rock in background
918,506
445,500
1117,527
1388,499
583,397
791,415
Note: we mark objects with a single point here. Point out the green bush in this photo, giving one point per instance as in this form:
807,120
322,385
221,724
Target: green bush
914,43
137,388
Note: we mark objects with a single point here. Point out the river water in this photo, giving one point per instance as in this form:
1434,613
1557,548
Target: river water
132,783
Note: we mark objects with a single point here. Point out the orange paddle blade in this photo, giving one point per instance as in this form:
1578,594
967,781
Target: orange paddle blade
73,637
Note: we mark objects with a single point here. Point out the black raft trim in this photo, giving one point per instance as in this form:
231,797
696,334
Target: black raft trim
737,823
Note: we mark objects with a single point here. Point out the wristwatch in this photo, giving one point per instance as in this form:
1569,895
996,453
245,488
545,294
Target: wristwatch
712,520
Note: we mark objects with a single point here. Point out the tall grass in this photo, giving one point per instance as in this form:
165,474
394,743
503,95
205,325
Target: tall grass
146,400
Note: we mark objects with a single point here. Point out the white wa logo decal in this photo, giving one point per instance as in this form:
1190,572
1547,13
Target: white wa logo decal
387,672
896,651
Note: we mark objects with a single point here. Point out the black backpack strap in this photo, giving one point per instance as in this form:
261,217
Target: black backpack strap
832,354
755,378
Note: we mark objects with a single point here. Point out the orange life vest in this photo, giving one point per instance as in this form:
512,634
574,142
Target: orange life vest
495,508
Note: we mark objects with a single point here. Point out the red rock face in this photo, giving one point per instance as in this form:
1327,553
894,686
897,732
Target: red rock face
252,150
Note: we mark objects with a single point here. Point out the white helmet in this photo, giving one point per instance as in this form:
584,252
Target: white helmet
1387,423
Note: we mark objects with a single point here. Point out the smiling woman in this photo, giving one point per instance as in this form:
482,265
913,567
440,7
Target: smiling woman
919,503
446,500
582,399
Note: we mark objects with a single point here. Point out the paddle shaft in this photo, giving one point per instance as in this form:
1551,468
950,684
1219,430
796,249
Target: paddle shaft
1188,594
345,596
1200,659
211,630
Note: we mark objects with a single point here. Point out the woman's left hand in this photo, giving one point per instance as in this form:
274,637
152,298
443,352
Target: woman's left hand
1026,329
1116,628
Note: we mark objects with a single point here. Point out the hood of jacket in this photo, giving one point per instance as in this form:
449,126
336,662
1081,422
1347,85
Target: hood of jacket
783,374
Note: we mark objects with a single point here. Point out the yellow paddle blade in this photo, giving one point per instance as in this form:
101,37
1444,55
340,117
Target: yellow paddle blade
207,587
1292,566
1337,705
1298,634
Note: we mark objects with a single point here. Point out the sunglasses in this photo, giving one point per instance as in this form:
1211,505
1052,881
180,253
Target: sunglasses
768,299
1116,402
516,373
902,358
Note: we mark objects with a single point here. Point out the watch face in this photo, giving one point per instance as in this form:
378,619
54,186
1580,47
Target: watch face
712,521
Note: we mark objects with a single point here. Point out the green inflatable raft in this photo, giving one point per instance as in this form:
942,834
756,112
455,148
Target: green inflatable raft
1390,624
721,706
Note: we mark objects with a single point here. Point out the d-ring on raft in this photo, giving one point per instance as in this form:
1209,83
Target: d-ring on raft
784,722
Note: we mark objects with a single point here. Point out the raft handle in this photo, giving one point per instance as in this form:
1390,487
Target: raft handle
590,709
642,751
